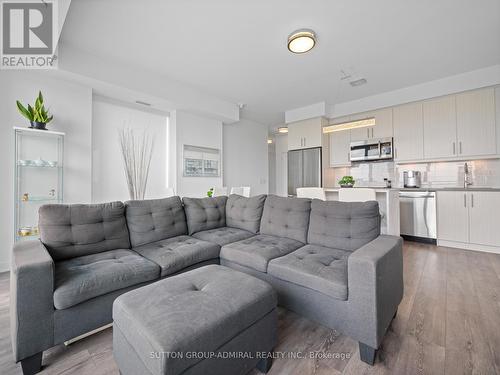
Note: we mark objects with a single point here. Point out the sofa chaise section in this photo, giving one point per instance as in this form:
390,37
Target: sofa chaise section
158,232
80,264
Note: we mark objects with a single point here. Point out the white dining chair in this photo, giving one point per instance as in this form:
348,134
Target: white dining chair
357,195
219,191
169,192
241,190
312,193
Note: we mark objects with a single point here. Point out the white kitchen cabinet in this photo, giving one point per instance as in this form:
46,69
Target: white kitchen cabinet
340,145
305,134
383,123
360,134
382,128
476,123
440,128
452,216
484,217
408,132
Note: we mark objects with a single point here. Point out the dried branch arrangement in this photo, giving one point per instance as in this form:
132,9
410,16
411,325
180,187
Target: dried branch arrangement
137,151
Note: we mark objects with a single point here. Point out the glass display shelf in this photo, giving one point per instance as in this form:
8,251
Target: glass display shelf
38,177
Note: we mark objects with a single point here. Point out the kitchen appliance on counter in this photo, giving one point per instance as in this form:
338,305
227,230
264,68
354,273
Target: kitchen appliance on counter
417,210
412,179
371,150
304,169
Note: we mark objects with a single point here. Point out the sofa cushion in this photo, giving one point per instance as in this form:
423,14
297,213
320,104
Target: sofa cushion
256,252
245,213
315,267
195,312
343,225
73,230
155,219
176,253
286,217
205,213
83,278
223,236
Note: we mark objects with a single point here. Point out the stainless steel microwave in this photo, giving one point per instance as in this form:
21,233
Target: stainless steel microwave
371,150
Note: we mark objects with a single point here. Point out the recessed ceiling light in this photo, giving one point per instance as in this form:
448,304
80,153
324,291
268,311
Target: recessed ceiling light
283,129
301,41
358,82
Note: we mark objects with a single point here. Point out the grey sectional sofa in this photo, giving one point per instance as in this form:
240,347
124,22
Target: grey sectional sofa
327,261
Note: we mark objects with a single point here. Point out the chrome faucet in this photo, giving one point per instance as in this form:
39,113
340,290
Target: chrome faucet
467,176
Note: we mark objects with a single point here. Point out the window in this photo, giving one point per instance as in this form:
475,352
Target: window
201,161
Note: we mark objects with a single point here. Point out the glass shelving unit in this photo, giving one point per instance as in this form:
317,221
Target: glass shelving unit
38,176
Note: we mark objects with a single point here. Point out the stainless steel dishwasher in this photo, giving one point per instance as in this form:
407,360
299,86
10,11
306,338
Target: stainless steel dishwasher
418,215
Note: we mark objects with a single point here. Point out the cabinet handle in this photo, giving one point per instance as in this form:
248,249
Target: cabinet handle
372,132
453,148
472,200
460,147
368,133
396,152
304,141
465,200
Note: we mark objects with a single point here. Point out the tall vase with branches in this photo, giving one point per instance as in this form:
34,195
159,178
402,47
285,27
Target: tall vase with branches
137,151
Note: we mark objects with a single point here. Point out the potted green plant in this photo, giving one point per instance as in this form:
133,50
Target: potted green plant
347,182
37,115
210,192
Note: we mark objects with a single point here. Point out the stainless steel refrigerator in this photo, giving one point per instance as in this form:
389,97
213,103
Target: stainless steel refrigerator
304,169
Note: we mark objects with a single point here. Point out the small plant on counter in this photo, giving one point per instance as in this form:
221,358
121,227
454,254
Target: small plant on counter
210,192
347,181
37,115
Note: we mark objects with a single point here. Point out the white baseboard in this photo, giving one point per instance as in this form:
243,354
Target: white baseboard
469,246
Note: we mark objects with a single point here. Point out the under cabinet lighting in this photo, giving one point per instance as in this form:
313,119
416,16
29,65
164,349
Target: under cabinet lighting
269,141
283,129
349,125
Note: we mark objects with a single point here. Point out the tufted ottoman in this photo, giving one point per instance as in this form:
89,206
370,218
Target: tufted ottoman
212,320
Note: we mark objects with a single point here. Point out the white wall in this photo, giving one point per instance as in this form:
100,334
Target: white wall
71,105
196,131
246,156
281,143
108,176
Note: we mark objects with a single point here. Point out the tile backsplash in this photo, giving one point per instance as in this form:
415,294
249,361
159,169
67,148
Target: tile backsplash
485,173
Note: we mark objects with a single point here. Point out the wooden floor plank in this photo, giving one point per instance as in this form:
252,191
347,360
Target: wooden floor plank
447,323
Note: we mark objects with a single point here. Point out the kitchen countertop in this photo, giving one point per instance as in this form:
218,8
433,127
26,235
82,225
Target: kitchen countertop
382,189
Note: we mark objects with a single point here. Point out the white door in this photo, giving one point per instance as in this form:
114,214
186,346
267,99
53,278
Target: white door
476,123
383,123
484,217
408,132
340,145
440,128
452,216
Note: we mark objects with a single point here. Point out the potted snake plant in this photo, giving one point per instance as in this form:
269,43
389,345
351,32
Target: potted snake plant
37,115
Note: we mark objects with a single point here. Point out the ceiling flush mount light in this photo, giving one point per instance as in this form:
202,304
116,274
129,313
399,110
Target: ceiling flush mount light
349,125
301,41
283,129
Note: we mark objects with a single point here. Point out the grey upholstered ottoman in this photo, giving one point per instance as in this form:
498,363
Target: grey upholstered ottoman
212,320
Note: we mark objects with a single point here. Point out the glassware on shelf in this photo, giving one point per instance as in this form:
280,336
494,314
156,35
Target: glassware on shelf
38,177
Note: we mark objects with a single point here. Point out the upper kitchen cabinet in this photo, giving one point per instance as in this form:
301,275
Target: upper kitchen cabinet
440,128
476,123
340,145
382,128
305,134
408,132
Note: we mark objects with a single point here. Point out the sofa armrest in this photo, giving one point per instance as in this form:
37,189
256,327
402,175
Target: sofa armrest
375,282
31,299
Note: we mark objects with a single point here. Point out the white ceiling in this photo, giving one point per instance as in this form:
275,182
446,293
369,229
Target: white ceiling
236,50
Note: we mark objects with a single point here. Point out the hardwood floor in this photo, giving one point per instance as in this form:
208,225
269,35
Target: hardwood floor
447,323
